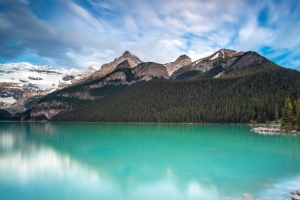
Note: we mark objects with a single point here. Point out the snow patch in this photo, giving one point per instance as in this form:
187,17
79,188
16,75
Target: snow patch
48,77
9,100
216,56
218,75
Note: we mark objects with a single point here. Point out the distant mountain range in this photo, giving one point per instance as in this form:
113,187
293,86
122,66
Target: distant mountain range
227,86
21,83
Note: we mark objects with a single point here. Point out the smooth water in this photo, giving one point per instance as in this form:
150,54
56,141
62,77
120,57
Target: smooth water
145,161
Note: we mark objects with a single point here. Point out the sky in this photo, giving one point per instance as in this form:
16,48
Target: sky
83,33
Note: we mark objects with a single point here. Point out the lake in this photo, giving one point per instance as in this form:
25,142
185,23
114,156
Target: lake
145,162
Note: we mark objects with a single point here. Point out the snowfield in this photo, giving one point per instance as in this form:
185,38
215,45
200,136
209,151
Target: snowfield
15,78
8,100
39,77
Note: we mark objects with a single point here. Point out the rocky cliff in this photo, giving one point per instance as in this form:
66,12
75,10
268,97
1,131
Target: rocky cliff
205,64
107,68
149,70
181,61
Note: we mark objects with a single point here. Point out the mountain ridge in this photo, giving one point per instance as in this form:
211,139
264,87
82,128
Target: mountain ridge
180,62
120,76
257,96
23,82
109,67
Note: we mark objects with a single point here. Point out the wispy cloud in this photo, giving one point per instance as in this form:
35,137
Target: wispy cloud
81,33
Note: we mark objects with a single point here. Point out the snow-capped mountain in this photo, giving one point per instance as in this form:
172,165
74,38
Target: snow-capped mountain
24,80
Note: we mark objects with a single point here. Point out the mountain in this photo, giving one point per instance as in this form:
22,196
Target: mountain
181,61
125,75
225,87
229,99
218,59
22,84
107,68
122,77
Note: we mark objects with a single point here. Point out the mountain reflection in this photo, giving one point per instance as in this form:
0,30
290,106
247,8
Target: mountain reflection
26,163
144,161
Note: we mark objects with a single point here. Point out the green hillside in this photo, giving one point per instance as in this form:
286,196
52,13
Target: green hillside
256,93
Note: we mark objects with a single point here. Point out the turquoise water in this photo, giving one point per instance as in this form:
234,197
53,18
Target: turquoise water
145,161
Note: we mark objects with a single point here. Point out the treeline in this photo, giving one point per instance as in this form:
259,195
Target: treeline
6,116
291,115
258,96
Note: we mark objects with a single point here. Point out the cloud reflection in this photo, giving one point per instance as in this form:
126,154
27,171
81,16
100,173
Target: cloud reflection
43,167
6,141
282,188
40,165
28,164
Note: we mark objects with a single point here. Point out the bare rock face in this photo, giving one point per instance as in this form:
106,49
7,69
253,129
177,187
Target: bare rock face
123,65
149,70
181,61
204,64
132,61
207,63
117,76
244,60
47,110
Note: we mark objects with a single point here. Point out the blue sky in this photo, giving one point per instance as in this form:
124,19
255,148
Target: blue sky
83,33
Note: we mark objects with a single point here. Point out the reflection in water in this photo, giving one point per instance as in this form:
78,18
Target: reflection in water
280,188
43,165
38,164
144,161
6,141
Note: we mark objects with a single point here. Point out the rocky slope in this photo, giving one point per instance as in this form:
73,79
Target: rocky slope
218,58
241,60
22,84
125,75
107,68
181,61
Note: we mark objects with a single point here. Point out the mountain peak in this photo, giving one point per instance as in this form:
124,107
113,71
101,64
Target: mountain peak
224,53
178,63
126,53
182,57
131,61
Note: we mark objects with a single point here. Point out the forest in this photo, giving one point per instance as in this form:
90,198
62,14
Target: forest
236,98
291,115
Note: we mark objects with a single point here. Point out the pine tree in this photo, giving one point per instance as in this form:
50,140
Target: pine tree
297,115
276,112
287,115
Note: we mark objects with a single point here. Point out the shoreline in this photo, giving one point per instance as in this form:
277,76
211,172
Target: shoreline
258,128
273,130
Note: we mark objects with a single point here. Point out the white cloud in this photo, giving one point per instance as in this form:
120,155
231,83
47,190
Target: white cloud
154,30
85,19
253,37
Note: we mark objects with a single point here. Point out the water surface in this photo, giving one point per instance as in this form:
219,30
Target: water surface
145,161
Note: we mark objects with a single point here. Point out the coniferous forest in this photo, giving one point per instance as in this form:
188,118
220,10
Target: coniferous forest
291,115
236,98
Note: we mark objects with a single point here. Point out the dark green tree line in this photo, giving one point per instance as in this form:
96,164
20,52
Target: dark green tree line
257,96
291,115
